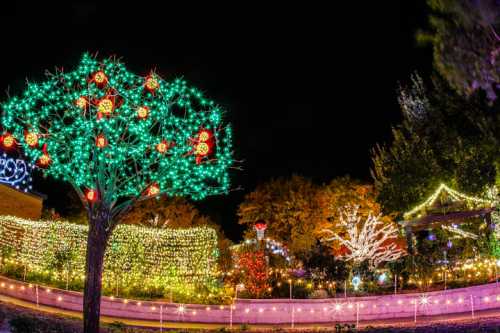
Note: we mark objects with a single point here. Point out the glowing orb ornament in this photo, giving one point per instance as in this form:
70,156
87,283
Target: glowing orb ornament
162,147
356,281
151,83
382,278
101,141
44,160
100,78
8,140
105,106
81,102
31,139
91,195
142,112
153,190
202,149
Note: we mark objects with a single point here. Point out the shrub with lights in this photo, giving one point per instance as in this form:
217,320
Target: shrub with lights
138,261
118,138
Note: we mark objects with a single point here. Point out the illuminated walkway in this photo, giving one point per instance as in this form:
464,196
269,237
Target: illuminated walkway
405,322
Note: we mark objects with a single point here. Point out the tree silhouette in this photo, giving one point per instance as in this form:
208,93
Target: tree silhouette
119,138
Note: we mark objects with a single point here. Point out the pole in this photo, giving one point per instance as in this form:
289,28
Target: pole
291,295
293,315
395,284
161,318
444,280
472,305
345,288
415,311
357,315
231,316
496,273
36,291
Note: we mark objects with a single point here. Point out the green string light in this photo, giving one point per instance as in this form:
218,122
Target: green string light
120,135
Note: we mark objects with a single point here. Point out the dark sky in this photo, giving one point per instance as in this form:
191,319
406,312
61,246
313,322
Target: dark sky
309,88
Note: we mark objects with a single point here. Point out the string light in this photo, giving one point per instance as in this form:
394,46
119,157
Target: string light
132,151
443,188
105,106
31,139
8,140
181,259
142,112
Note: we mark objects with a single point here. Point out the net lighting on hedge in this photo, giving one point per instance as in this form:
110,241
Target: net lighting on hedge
63,114
181,259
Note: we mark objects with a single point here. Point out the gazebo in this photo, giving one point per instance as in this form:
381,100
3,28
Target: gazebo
446,208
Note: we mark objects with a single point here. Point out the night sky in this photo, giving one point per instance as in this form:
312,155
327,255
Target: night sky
309,89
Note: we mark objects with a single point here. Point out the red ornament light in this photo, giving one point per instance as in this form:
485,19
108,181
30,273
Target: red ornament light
101,141
100,78
151,83
31,139
44,160
162,147
142,112
91,195
81,102
8,140
204,135
154,189
203,144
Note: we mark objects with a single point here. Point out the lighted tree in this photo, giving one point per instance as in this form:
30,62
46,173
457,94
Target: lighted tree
252,272
119,138
371,239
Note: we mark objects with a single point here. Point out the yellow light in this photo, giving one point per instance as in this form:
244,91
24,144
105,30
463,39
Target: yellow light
44,159
203,136
8,141
201,148
152,83
105,106
100,77
81,102
162,147
31,139
142,112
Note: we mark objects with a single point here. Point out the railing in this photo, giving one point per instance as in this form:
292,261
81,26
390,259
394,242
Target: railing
272,311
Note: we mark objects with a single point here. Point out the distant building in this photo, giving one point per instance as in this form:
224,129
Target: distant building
16,195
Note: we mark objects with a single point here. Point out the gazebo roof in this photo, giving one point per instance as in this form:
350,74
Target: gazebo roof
445,206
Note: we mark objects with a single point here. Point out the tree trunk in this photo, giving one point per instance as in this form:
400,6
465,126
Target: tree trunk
96,246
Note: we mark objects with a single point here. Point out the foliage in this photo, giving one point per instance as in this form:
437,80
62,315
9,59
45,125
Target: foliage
447,142
323,265
466,44
341,192
288,207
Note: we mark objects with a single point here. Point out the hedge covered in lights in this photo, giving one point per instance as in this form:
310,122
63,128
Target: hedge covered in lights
182,259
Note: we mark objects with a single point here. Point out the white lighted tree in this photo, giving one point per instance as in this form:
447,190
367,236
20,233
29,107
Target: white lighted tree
371,240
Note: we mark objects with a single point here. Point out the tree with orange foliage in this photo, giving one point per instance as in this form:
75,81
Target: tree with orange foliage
288,206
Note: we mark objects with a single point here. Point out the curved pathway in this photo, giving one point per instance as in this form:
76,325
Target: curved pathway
455,305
